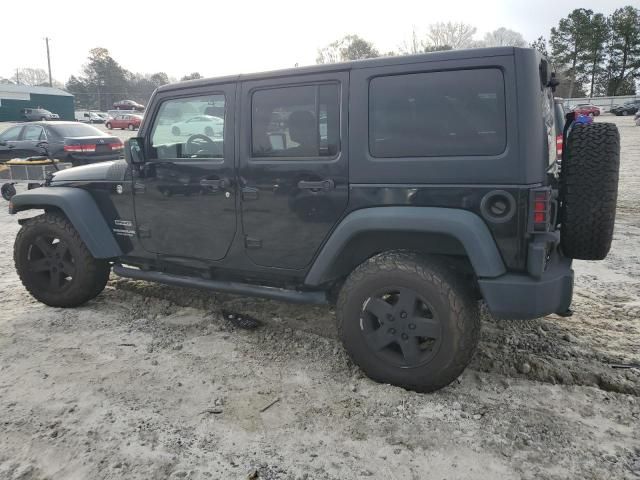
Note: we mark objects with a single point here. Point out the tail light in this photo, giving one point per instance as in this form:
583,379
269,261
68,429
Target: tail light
117,146
559,146
87,148
540,210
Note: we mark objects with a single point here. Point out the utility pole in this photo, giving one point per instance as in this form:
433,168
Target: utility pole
46,39
17,76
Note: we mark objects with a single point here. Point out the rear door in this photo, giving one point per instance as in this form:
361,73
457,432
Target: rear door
186,191
31,140
293,166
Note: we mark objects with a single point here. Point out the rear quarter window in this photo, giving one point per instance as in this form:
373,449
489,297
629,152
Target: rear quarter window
445,113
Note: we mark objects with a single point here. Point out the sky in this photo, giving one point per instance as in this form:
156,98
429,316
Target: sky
221,38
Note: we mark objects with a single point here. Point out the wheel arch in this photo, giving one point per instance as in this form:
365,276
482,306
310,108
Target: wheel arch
430,230
80,209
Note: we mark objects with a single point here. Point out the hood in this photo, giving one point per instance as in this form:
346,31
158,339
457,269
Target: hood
102,171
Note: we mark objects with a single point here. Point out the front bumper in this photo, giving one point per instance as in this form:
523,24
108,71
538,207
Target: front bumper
521,296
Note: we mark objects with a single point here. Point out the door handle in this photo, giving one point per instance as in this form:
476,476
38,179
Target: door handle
325,185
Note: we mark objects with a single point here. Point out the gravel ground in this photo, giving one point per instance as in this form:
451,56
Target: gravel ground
151,382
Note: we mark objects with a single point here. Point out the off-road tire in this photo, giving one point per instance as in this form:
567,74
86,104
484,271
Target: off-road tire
589,190
451,296
89,278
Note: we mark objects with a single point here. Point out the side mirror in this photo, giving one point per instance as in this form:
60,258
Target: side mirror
134,151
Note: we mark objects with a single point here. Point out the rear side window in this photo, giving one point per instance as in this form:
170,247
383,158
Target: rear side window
296,122
450,113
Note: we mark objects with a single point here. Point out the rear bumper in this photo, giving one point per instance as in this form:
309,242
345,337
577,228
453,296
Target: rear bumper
521,296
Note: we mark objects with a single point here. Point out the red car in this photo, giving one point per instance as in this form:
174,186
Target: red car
128,105
586,109
131,122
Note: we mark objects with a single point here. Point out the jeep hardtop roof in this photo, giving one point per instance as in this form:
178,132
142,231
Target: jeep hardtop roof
357,64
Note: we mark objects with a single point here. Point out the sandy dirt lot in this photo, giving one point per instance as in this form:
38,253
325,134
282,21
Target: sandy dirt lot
151,382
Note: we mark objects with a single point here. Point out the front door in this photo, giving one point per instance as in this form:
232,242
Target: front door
293,166
9,144
186,191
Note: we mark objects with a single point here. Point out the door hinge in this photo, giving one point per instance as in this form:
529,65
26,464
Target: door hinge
250,242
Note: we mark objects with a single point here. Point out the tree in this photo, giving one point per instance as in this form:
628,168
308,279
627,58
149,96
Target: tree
540,44
569,42
454,35
105,78
191,76
593,55
624,49
31,76
350,47
413,44
159,79
503,37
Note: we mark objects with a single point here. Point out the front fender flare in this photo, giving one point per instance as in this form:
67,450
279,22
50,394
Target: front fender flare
468,228
81,210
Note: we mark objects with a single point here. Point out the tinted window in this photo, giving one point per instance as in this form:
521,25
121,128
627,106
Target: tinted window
296,121
176,136
11,134
33,132
437,114
77,130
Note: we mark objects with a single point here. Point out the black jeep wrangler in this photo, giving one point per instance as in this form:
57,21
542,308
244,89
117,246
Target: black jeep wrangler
402,189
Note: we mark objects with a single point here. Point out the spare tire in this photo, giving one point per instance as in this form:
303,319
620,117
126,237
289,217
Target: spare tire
589,190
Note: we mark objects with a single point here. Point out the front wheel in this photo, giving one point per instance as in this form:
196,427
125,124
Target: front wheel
108,125
131,127
55,265
408,320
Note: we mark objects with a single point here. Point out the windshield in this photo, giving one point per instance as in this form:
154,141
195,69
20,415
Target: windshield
77,130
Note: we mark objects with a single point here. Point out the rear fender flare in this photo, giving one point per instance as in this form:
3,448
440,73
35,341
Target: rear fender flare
468,228
81,210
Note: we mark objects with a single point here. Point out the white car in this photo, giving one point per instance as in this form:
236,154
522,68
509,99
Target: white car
202,124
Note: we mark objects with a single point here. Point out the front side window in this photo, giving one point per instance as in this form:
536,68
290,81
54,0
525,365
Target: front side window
10,135
190,127
298,121
450,113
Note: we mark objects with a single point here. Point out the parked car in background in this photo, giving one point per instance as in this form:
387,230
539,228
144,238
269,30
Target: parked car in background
586,109
202,124
628,108
128,105
88,116
104,115
129,121
34,114
74,142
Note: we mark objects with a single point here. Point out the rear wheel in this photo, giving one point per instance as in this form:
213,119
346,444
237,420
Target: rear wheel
8,191
408,320
109,125
131,126
589,190
55,265
625,113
